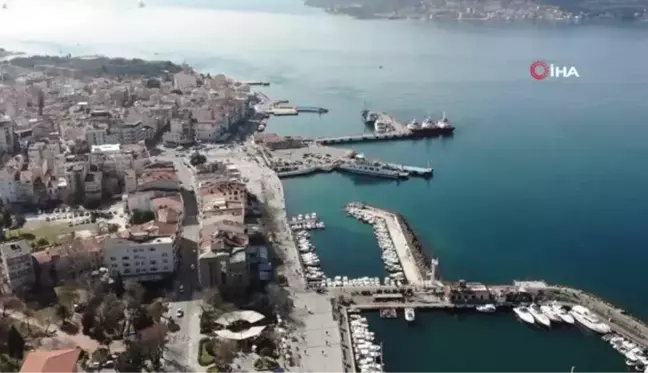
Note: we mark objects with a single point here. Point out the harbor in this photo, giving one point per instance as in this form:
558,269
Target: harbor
413,285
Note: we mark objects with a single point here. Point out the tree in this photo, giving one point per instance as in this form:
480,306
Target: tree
88,320
156,310
7,220
62,312
113,228
141,216
112,312
197,159
132,359
67,295
42,242
135,293
16,343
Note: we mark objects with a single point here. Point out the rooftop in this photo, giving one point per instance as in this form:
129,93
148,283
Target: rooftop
60,361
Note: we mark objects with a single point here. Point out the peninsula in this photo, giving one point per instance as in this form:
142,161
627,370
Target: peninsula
573,11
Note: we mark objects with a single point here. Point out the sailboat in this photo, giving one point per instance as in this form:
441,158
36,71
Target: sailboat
4,5
141,4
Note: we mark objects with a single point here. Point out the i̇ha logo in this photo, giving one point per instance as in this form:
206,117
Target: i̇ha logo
541,70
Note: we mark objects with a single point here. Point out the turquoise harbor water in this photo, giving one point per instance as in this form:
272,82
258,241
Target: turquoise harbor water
543,180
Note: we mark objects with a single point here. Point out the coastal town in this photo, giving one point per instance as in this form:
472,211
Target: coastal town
145,229
486,11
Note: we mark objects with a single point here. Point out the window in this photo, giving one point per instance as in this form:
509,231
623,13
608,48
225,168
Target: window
125,258
113,258
165,260
114,265
164,254
152,249
153,262
126,271
126,264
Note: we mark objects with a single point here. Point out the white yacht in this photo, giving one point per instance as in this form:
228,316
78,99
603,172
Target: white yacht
524,314
538,315
562,313
410,315
486,308
585,317
550,313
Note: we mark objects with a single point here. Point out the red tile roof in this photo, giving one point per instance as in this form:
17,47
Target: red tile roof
60,361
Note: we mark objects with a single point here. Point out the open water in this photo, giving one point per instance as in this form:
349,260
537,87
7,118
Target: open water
543,180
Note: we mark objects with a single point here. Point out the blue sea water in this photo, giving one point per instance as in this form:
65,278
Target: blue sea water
543,180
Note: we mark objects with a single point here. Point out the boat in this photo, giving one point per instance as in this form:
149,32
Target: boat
410,315
586,318
261,128
524,314
550,313
562,313
539,316
486,308
369,169
141,4
429,127
369,117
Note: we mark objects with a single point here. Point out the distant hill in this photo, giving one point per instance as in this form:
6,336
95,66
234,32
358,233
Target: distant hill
98,66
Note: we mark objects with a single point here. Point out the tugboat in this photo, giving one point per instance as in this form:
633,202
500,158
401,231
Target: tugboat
410,315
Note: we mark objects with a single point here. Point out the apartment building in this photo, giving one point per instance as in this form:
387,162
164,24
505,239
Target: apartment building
17,268
146,252
7,136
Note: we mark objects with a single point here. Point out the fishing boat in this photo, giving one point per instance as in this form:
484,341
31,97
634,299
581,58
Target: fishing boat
410,315
524,314
486,308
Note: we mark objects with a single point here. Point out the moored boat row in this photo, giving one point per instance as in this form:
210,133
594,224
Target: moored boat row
389,255
309,258
367,354
306,222
546,314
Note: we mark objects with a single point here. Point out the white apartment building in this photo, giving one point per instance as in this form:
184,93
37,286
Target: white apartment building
145,255
181,132
97,134
130,181
17,268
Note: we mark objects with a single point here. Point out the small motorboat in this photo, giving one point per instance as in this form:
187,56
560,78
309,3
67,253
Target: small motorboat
410,315
523,313
486,308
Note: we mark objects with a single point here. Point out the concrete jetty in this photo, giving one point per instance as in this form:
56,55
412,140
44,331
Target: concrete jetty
404,249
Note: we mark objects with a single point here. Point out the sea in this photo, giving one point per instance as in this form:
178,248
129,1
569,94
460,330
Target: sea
543,180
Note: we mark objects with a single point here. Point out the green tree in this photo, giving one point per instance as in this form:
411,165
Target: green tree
16,343
62,312
42,242
132,359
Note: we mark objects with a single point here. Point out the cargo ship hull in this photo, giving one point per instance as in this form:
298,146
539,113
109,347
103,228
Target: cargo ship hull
432,132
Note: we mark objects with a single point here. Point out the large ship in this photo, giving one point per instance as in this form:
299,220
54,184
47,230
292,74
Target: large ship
430,127
369,117
363,167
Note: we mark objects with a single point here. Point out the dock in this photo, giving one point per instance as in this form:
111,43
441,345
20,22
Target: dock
366,137
414,273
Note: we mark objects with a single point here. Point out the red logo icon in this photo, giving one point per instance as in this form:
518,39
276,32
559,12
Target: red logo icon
539,70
